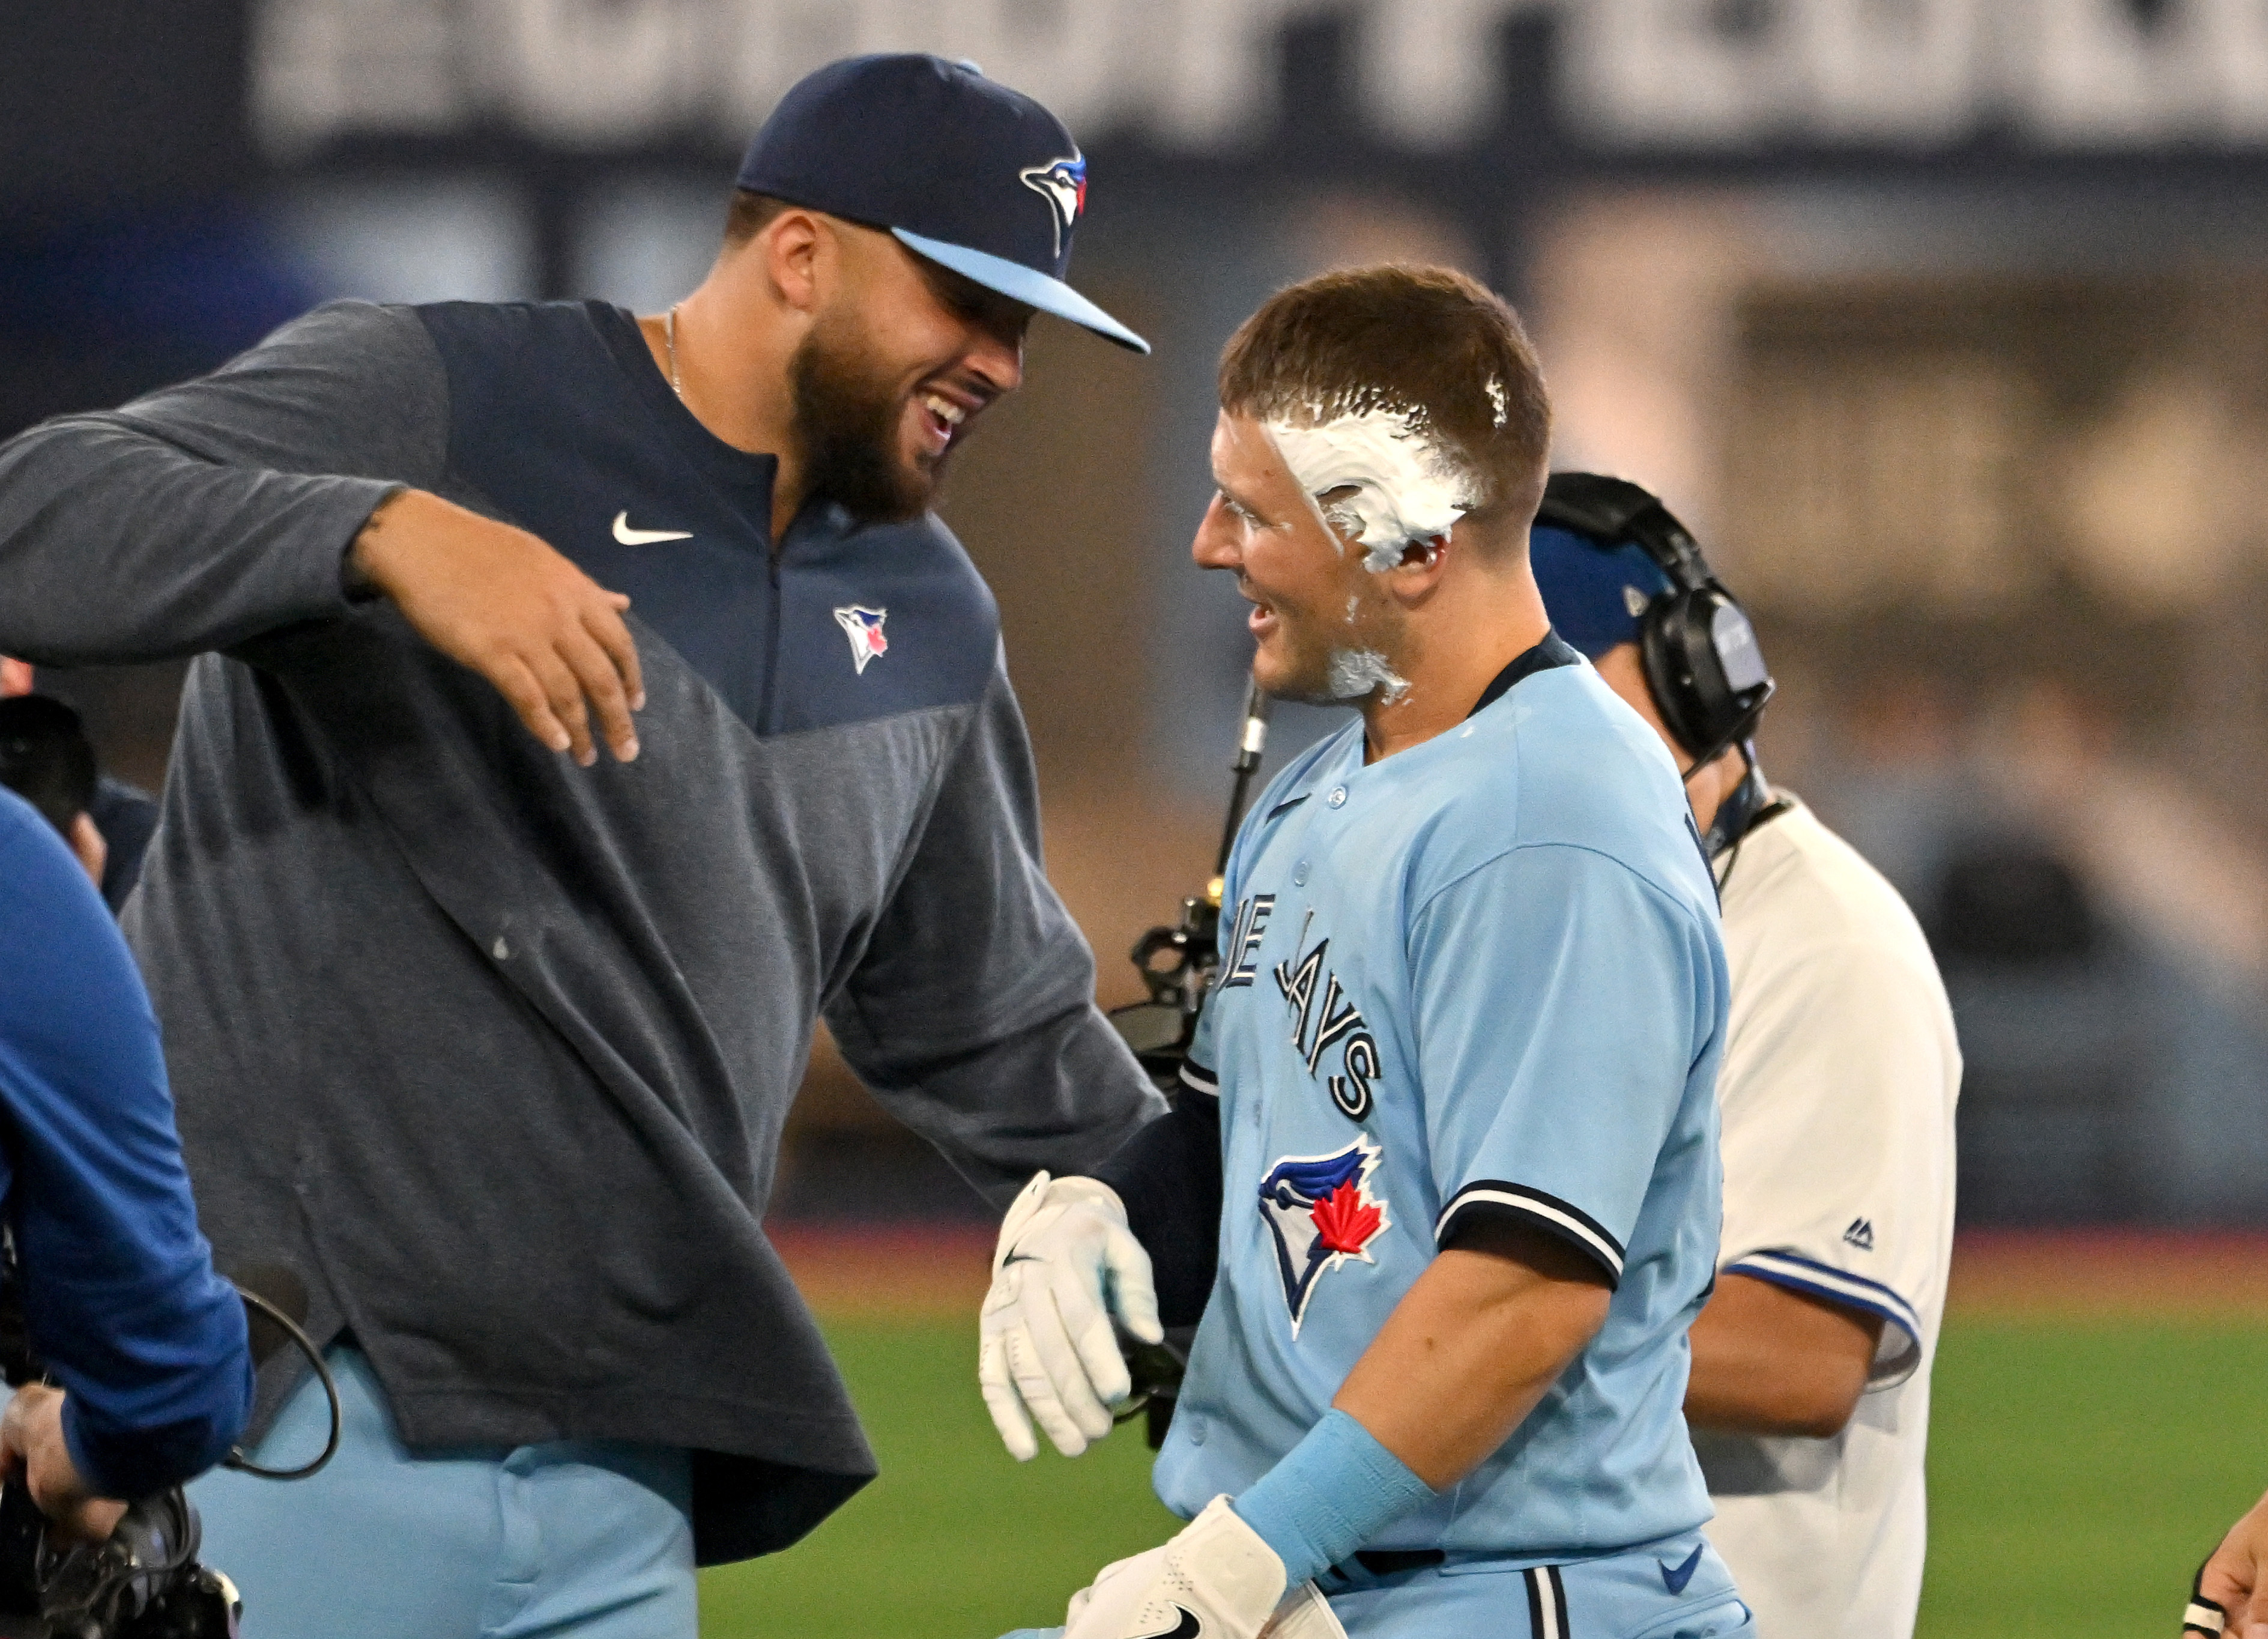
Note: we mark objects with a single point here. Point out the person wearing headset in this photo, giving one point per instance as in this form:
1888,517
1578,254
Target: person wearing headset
1809,1395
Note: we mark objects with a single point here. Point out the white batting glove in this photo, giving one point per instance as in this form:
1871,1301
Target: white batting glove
1066,1265
1217,1580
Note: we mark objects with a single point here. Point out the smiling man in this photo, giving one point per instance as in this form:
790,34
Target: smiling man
490,1036
1449,1117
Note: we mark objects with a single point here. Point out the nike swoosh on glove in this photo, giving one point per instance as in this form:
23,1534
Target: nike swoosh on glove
1216,1580
1065,1266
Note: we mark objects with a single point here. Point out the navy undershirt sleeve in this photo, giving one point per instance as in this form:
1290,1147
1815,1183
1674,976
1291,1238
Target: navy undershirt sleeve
1168,1175
120,1294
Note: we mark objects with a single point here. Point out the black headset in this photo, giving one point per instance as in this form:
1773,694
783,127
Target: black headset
1703,666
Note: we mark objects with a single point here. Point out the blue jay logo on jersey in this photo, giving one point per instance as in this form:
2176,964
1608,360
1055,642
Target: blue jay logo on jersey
1321,1212
864,627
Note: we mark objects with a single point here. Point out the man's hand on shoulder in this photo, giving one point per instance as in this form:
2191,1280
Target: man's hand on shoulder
501,601
32,1440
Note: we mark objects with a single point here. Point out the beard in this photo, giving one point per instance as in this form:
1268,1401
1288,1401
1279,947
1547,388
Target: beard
847,415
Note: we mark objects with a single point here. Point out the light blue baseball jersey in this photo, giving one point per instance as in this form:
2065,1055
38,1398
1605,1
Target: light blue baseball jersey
1483,975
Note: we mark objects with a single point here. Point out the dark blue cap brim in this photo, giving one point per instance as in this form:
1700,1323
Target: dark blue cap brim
1018,283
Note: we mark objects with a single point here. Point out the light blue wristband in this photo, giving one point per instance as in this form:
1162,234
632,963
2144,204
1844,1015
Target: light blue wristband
1333,1491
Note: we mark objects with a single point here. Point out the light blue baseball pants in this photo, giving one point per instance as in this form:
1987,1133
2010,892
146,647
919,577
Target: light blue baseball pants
1673,1589
588,1538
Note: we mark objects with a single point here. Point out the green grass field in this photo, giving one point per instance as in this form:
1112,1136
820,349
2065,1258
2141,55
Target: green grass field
2078,1472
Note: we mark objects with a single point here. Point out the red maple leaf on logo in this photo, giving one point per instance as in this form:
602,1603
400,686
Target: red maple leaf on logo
1344,1222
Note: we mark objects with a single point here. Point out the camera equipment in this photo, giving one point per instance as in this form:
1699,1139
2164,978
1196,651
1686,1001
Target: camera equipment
1177,965
46,758
144,1581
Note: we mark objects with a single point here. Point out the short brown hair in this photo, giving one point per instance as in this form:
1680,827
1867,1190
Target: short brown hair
1426,340
749,214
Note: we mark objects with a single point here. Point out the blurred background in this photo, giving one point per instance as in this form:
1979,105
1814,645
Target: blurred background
1944,323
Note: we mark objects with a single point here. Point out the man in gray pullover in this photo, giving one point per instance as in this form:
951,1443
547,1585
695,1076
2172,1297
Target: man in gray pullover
490,1035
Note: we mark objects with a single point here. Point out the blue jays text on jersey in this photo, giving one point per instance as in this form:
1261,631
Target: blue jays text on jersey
1481,976
1337,1023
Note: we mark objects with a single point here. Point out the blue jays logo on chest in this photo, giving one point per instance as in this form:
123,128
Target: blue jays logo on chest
1319,1211
864,627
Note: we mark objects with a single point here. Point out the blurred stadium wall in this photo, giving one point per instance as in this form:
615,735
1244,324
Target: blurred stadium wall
1944,320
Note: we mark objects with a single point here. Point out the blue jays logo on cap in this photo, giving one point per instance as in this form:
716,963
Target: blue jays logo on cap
1321,1212
1062,184
864,627
946,161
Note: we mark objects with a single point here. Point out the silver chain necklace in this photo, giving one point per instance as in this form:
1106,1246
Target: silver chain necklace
669,336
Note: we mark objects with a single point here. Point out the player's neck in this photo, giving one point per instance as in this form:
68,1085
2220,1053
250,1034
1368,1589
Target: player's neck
1707,788
729,368
1451,649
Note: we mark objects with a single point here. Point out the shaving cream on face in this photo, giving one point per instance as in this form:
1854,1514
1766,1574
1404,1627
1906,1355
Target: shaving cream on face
1355,672
1404,487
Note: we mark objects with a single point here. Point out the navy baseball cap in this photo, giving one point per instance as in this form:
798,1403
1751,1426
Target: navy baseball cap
975,177
1595,595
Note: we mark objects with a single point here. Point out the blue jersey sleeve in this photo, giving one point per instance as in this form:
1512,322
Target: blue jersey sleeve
119,1290
1553,1066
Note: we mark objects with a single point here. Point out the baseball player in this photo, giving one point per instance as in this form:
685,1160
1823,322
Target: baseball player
491,1044
1450,1109
1810,1398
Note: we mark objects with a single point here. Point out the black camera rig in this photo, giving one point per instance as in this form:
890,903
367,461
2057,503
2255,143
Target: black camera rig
143,1580
1177,963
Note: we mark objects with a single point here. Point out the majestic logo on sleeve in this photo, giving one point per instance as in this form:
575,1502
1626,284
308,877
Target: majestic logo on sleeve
864,627
1321,1212
1062,184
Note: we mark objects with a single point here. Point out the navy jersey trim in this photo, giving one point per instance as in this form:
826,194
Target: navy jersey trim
1554,651
1851,1291
1197,1079
1554,1217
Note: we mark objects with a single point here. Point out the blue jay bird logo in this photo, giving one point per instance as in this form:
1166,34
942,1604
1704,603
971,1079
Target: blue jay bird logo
1062,184
1321,1212
864,627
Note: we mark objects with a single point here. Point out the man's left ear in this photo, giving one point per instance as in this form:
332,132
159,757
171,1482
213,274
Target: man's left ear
1426,554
